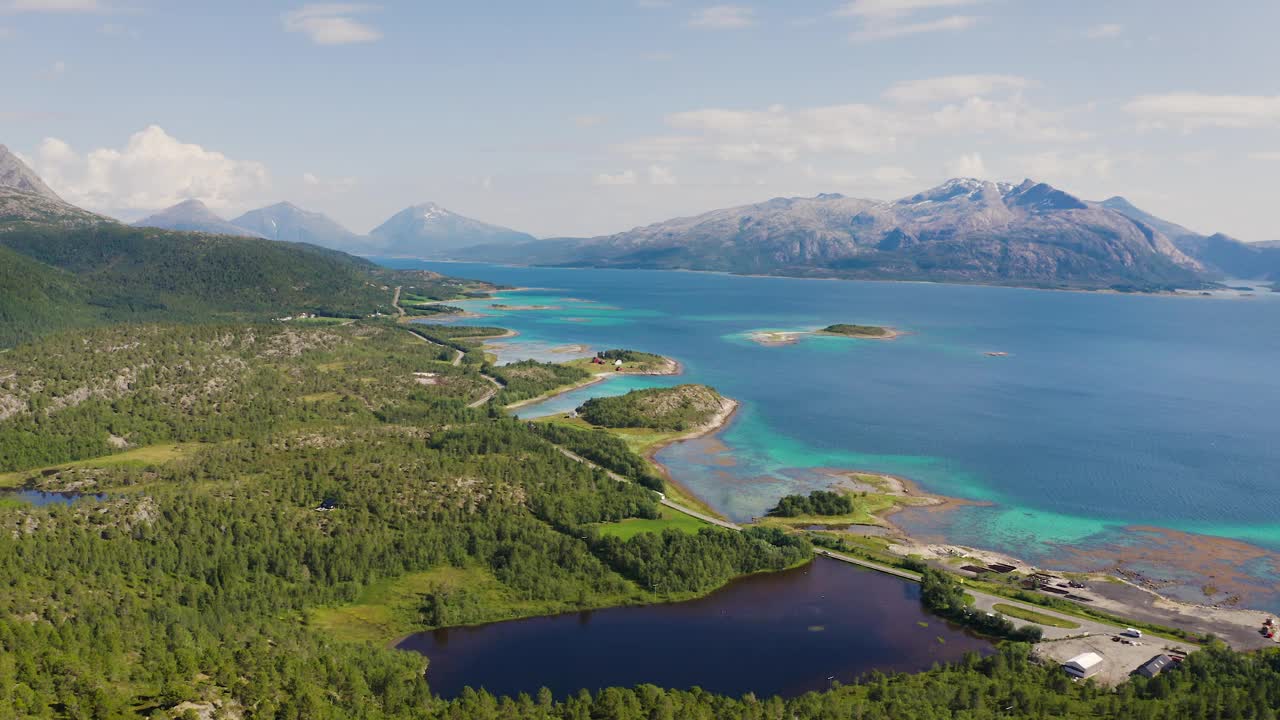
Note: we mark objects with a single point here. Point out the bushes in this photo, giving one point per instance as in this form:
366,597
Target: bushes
819,502
941,594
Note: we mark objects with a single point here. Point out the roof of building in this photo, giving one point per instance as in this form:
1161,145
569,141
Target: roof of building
1085,661
1155,665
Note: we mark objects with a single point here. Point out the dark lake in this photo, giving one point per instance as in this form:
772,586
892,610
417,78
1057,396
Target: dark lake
40,498
777,634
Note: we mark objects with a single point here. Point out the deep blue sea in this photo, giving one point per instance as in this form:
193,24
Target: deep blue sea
1115,425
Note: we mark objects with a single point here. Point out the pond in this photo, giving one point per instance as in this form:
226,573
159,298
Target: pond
40,498
772,634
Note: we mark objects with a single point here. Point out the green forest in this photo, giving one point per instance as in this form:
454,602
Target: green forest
818,502
54,277
194,579
677,409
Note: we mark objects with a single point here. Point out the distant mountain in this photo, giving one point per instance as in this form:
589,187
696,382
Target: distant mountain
1233,258
1220,254
428,230
964,230
1268,244
1171,230
16,175
288,222
193,216
63,267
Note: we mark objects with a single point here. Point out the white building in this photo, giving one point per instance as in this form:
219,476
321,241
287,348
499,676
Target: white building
1083,665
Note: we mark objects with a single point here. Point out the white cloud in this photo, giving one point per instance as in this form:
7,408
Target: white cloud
953,87
723,17
334,185
968,165
892,175
153,170
1013,118
53,6
117,30
658,57
1105,31
331,23
1196,110
888,30
626,177
1270,155
59,68
1056,166
777,134
589,121
885,19
659,175
897,8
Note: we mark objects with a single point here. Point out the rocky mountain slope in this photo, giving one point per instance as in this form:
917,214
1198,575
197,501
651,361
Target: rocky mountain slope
1221,255
193,216
428,230
964,230
16,175
24,197
288,222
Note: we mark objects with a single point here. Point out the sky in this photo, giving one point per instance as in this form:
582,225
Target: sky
585,117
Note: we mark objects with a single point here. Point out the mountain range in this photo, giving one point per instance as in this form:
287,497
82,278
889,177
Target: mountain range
63,267
420,231
965,230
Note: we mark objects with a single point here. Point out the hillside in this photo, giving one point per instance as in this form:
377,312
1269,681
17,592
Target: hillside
964,230
60,276
214,446
680,408
1221,255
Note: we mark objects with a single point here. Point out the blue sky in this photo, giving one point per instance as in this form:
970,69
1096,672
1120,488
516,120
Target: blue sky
581,117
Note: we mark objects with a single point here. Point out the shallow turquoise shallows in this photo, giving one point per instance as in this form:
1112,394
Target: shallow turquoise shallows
1109,413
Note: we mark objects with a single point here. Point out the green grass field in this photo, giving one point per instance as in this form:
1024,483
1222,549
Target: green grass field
629,528
1014,611
138,457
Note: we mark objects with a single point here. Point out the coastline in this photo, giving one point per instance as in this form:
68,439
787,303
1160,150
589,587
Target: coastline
718,422
1106,591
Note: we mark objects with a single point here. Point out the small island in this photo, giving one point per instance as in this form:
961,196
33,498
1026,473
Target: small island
873,332
771,338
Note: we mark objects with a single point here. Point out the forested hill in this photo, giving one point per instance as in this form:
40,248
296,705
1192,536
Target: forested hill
256,482
57,275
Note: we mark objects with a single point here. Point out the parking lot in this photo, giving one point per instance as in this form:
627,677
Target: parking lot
1118,658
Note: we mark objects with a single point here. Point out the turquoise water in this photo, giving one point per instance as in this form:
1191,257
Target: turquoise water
1110,411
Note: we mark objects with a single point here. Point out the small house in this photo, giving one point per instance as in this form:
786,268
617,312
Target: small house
1154,666
1084,665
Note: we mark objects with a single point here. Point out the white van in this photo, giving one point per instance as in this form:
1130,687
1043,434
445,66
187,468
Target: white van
1130,632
